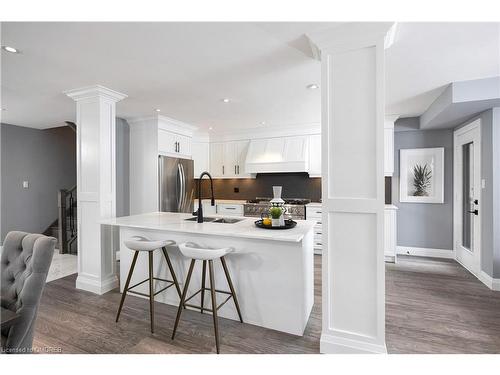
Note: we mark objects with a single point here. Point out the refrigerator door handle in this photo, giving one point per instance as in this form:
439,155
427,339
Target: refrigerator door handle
160,179
179,194
183,189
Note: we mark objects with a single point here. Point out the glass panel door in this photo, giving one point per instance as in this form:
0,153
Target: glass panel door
468,195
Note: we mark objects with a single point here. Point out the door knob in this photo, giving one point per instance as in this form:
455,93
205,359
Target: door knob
476,201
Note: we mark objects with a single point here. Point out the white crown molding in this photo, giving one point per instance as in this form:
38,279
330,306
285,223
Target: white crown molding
94,91
352,35
165,123
266,132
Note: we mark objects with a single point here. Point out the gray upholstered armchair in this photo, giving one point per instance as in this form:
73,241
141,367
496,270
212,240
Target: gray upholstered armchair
25,263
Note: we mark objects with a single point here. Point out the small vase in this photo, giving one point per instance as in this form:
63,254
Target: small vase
275,222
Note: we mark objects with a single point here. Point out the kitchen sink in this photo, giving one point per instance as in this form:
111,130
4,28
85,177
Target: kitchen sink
221,220
227,220
205,219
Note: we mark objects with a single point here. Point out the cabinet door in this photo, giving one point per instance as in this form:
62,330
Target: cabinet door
201,156
241,155
167,142
217,168
230,161
315,155
184,146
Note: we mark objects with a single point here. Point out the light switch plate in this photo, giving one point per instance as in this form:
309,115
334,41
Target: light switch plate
26,184
483,183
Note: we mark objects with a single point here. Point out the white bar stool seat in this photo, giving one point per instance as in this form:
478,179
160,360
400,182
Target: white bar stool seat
195,252
142,244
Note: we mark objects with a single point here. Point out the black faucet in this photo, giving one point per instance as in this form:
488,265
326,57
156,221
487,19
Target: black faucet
200,209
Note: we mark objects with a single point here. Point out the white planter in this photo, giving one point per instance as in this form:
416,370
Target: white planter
275,222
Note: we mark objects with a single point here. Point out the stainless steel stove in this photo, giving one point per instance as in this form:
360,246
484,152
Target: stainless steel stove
295,207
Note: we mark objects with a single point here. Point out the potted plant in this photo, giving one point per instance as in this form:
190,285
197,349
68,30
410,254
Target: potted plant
275,213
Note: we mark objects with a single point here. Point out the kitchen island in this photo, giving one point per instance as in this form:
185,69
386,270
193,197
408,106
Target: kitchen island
272,270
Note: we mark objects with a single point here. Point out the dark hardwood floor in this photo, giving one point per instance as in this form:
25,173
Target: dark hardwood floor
432,306
437,306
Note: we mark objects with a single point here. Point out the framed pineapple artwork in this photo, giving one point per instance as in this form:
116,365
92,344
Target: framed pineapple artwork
421,175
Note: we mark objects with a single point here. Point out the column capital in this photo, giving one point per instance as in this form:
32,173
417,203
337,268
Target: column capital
350,36
95,91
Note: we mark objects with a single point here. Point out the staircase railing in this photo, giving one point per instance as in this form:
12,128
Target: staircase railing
67,220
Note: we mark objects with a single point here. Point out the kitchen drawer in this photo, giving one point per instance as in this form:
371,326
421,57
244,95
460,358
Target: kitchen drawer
230,209
318,244
313,213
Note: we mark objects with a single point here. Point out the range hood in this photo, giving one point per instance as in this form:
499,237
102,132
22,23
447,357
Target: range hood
278,155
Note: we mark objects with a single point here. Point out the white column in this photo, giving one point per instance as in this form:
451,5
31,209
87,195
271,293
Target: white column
96,185
352,84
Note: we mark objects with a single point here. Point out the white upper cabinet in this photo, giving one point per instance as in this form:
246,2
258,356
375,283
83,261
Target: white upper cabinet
173,144
201,157
241,155
217,168
315,155
227,159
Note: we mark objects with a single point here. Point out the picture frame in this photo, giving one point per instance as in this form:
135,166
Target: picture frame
421,175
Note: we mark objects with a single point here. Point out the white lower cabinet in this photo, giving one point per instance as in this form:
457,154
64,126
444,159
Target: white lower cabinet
390,232
314,212
228,209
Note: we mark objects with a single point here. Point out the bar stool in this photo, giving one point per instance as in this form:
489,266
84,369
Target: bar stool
138,244
194,252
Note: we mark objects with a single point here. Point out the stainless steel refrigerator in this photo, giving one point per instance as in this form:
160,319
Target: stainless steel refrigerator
176,184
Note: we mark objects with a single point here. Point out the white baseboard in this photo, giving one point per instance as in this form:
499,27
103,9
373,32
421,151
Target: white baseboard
92,284
425,252
330,344
490,282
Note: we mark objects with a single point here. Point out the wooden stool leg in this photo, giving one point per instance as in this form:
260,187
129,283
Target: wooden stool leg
214,302
203,285
172,272
151,292
233,293
183,297
127,283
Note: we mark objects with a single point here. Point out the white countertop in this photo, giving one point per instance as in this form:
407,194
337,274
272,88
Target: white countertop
175,222
314,204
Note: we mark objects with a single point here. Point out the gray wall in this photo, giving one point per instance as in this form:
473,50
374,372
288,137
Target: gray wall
490,194
47,159
425,225
122,167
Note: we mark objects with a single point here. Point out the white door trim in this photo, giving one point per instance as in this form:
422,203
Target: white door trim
457,194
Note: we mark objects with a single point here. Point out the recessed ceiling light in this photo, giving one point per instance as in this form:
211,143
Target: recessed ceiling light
312,86
210,128
226,100
262,123
10,49
158,110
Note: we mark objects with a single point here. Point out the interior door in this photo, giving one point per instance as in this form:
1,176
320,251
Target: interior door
467,204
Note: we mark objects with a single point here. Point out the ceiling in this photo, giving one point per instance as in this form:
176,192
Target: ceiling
185,69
